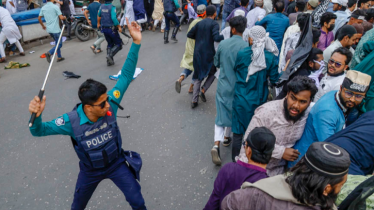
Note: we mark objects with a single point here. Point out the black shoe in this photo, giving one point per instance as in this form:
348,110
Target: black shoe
48,57
174,35
60,59
202,96
68,39
194,104
166,37
227,142
215,155
109,61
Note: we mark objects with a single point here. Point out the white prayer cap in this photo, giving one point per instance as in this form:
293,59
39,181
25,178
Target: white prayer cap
239,12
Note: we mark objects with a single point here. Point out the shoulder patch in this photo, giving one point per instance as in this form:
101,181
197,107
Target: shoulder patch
116,94
60,121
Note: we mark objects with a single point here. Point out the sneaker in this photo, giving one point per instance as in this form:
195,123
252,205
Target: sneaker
227,142
48,57
113,77
202,96
194,105
215,155
174,39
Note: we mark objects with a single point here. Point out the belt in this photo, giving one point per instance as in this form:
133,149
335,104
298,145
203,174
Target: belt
106,26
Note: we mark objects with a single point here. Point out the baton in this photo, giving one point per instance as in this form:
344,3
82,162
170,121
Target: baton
41,92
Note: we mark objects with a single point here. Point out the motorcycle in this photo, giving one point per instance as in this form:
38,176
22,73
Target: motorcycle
81,28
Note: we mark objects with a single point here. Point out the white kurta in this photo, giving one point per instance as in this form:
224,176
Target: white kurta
10,8
10,28
129,14
72,7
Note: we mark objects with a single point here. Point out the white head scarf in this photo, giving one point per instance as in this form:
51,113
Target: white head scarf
261,41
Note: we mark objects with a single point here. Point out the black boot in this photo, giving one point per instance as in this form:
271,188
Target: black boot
166,37
113,52
108,59
173,36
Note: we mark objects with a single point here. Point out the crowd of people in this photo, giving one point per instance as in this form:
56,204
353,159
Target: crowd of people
294,98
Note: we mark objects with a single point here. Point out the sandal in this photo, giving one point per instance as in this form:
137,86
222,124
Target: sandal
98,51
22,54
93,49
2,60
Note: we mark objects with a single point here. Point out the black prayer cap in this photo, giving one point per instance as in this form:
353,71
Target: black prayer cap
261,140
327,159
210,10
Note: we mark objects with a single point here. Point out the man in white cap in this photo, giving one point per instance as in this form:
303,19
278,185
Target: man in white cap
341,16
311,6
226,33
329,115
187,60
256,14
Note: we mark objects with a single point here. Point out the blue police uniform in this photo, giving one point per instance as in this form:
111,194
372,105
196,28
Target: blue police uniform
170,7
99,144
109,23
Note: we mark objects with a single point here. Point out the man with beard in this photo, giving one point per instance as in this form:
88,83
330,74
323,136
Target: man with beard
329,114
286,118
327,36
314,183
335,74
346,38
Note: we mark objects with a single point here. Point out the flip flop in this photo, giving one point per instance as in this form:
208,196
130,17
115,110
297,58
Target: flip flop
98,51
93,49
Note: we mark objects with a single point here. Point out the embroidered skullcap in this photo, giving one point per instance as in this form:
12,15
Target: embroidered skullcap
259,3
210,10
327,159
356,81
201,9
239,12
261,141
261,41
313,3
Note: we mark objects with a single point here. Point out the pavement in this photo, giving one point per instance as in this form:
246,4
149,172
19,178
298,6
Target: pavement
173,140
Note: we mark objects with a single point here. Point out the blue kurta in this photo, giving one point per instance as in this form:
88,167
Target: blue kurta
225,60
276,25
252,94
358,140
324,120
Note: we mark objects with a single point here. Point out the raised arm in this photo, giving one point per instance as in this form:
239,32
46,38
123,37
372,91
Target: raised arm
128,69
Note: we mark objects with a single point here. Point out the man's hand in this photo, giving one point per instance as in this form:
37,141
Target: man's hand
119,29
37,106
44,28
89,22
134,29
290,154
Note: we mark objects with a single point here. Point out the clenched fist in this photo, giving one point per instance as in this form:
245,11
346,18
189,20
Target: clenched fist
37,106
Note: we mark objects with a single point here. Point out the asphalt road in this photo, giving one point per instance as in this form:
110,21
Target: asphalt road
173,140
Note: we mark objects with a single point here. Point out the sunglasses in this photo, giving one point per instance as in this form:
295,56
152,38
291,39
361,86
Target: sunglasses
349,94
337,64
102,104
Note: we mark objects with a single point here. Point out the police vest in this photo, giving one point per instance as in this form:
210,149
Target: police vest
169,6
106,16
98,144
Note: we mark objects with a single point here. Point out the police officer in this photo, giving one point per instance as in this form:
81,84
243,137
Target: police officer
170,7
95,134
107,20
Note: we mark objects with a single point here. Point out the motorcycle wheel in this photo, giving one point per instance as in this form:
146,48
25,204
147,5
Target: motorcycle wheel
81,33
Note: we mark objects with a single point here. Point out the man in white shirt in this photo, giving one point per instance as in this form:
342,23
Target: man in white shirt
335,74
11,7
346,38
256,14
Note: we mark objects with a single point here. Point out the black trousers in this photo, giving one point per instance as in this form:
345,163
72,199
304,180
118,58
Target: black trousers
236,145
